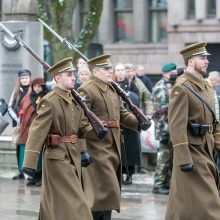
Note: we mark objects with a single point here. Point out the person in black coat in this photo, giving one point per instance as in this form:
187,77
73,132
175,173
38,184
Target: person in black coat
130,139
144,78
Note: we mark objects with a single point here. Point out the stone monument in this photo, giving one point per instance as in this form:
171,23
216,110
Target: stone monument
20,16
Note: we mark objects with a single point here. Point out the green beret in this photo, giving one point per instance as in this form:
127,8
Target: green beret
194,50
168,67
100,61
64,65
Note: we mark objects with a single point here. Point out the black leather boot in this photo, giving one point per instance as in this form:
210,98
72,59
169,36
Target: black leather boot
18,176
128,180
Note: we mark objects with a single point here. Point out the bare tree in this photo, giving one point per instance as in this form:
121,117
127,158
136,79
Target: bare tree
58,14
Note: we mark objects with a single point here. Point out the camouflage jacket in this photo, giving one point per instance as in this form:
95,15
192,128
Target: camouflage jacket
160,96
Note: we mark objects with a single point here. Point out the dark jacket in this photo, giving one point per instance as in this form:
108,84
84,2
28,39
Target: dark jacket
131,138
147,82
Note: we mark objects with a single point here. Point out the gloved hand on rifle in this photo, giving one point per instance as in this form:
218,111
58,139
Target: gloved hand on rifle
86,158
145,125
187,167
29,171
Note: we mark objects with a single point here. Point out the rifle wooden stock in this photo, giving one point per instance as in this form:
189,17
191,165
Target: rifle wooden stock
97,125
144,121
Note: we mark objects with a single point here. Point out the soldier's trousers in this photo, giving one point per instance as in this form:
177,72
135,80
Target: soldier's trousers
163,171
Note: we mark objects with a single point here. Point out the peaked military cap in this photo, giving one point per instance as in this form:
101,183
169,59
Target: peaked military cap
100,61
194,50
64,65
168,67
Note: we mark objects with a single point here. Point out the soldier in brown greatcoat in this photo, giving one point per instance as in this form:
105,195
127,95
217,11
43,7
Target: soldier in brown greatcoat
58,123
194,133
104,175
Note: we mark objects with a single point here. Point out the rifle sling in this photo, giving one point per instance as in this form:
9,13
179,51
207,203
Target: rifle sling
203,100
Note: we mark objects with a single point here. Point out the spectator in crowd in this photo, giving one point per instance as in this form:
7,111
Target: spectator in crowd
84,75
214,78
145,102
28,113
144,78
20,90
81,63
50,85
161,92
179,71
145,96
131,150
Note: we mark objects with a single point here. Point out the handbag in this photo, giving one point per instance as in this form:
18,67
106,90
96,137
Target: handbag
16,134
3,124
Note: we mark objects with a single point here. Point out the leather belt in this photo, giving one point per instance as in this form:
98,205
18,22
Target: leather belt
111,124
53,139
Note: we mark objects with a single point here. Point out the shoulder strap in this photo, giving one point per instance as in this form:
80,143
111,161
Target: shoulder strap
203,100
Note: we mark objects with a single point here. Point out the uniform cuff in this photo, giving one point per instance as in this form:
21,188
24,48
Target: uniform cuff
31,159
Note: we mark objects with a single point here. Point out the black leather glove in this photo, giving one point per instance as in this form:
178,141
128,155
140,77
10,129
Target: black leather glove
29,171
187,167
144,125
86,158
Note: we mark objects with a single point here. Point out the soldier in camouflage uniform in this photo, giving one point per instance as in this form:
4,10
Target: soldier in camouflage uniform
160,97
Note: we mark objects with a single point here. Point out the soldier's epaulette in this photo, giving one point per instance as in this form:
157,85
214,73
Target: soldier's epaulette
87,83
49,94
180,81
208,84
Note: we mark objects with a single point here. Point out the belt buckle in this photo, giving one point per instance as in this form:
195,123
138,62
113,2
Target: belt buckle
72,139
210,128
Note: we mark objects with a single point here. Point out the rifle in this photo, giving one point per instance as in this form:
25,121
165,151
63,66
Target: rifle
144,121
99,128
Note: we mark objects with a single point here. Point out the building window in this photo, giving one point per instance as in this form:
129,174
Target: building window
191,9
158,20
123,14
211,9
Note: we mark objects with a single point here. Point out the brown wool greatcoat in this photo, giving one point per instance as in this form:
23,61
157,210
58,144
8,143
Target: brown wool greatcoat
193,195
61,195
102,187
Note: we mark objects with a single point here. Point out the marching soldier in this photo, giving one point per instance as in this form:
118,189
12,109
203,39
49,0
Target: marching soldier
58,124
194,133
161,92
104,175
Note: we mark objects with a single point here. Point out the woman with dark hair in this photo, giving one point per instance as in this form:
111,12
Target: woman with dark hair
28,113
20,90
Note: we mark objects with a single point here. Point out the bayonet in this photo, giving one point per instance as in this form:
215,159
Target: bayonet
26,46
64,40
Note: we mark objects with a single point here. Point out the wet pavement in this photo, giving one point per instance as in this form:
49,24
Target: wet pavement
19,202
